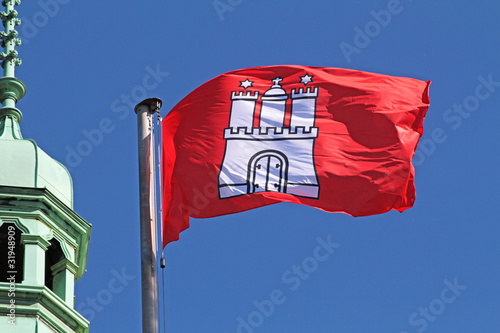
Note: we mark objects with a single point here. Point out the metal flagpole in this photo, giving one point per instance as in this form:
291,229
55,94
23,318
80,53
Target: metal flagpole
147,181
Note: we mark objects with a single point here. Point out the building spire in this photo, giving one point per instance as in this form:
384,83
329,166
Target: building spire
11,88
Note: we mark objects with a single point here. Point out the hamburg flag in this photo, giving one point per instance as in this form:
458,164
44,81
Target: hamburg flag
336,139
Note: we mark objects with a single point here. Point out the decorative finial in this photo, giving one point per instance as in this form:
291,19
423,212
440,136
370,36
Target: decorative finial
11,89
8,38
277,82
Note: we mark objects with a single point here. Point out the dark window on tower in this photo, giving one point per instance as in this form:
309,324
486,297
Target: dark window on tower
53,255
10,243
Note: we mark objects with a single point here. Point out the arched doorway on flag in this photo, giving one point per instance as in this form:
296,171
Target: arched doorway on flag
267,172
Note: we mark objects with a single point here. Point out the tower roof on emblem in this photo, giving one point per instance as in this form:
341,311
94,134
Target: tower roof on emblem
276,89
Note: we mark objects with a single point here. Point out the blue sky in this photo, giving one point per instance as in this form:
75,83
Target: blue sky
433,268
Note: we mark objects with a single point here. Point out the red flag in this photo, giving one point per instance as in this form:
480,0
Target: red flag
335,139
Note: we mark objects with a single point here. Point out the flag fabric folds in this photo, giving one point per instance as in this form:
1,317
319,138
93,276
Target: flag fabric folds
335,139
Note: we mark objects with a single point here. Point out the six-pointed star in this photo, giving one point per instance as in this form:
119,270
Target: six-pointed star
306,79
245,84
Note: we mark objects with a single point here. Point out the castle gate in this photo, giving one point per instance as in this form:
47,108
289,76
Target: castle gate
267,171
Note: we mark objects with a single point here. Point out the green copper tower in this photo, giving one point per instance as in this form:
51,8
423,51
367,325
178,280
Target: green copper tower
43,242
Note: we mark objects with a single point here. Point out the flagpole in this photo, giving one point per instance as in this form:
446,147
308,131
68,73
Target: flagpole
147,180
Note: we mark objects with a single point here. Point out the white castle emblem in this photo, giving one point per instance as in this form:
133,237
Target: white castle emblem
270,157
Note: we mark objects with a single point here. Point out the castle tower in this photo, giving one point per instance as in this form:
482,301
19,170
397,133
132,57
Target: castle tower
273,109
43,242
246,106
303,109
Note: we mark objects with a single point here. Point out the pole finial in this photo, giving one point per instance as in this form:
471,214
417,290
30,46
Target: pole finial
153,103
